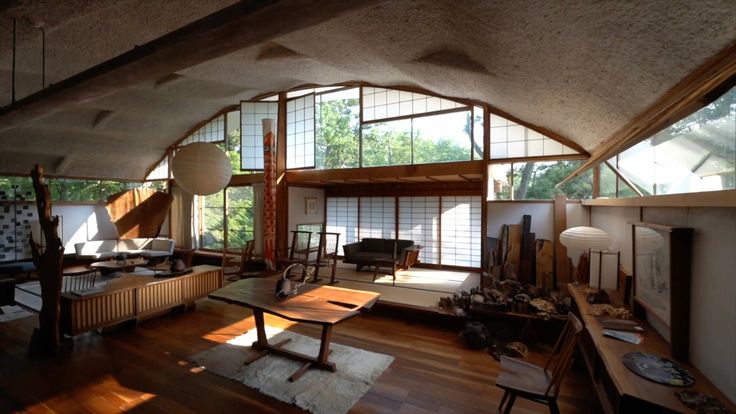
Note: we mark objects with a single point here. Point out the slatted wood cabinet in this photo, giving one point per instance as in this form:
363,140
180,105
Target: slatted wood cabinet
133,297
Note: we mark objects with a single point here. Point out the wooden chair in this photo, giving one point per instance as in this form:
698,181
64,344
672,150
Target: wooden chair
540,384
326,254
299,252
235,260
79,281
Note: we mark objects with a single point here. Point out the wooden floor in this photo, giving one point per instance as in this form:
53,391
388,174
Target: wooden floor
144,370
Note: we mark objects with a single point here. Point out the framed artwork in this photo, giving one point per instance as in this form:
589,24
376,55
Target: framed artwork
662,260
310,205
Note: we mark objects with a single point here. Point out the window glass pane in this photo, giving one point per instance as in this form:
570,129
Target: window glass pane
461,231
232,135
212,236
442,138
478,133
16,188
213,131
499,181
381,103
537,181
342,217
378,217
697,153
251,146
419,219
239,216
511,140
300,132
608,182
161,171
338,127
387,143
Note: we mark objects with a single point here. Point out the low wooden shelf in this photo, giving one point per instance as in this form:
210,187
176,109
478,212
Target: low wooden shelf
619,389
133,297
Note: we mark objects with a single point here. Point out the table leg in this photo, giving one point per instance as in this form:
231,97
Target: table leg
262,341
324,347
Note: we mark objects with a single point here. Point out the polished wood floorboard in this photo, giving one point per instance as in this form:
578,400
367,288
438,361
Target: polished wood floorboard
144,369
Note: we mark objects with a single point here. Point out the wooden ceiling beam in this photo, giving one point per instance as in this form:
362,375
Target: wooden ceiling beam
392,172
244,24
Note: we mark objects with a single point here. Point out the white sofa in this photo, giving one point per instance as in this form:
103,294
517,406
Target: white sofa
108,249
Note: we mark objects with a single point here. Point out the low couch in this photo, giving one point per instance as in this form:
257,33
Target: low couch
108,249
367,251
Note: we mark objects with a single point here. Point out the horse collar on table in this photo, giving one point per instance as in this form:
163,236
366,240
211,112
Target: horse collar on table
317,304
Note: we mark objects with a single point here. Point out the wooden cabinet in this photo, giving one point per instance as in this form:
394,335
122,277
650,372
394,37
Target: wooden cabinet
133,297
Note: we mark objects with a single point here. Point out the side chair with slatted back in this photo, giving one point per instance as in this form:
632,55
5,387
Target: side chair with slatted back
541,384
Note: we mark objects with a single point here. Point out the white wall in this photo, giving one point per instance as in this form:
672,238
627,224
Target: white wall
543,217
713,289
297,214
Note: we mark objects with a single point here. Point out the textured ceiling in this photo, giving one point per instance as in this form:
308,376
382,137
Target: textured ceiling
582,69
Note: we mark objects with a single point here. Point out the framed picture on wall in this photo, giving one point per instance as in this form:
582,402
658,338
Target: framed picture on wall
662,261
310,205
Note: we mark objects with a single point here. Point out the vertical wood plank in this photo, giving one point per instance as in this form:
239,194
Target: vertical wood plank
562,268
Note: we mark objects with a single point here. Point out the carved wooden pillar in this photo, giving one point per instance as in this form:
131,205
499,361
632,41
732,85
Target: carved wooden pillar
46,339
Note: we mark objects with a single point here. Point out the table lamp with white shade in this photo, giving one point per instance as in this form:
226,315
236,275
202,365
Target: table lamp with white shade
583,239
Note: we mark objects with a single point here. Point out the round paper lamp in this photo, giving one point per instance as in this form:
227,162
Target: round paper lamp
201,168
584,238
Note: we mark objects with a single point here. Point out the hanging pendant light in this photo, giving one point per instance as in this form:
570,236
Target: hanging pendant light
201,168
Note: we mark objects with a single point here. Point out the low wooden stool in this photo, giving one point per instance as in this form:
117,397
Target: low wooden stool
385,263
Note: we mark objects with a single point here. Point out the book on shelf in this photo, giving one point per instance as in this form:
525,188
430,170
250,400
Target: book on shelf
630,337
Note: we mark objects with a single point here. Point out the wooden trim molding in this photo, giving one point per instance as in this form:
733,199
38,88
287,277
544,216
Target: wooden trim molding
724,198
689,95
416,170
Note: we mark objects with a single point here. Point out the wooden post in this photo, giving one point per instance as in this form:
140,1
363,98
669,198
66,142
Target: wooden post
46,339
562,267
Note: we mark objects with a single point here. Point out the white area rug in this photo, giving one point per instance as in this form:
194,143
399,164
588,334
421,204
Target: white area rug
11,313
320,392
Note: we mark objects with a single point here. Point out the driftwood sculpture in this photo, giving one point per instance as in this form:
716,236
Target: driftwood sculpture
46,339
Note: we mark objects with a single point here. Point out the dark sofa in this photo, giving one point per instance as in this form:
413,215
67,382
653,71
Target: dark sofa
366,251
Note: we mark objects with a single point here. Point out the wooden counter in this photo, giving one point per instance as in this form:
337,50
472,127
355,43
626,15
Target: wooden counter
133,297
619,389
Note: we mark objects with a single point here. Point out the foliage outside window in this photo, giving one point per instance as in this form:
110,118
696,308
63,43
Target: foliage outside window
537,181
66,189
387,143
697,153
337,130
212,221
239,216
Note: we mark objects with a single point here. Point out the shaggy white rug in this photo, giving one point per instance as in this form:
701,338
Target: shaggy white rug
317,391
11,313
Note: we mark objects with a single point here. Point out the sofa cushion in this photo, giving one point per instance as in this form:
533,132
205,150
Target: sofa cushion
403,244
94,247
368,257
163,245
373,245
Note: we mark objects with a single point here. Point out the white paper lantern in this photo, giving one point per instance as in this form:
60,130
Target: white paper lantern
584,238
201,168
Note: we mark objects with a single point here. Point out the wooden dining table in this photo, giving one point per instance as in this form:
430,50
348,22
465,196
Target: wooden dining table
314,304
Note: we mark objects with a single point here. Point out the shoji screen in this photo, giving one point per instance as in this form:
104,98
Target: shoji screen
461,230
342,217
378,217
419,221
300,132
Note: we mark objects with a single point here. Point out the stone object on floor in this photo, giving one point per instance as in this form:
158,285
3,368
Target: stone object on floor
476,335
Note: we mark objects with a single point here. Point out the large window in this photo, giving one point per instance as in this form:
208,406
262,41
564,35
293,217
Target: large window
338,129
537,181
251,116
387,143
225,218
300,132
